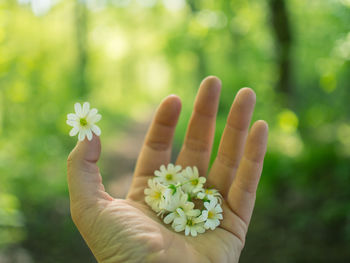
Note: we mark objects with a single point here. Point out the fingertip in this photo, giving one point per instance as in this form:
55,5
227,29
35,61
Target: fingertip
208,95
173,101
87,150
84,179
246,94
212,82
169,110
261,127
95,141
242,109
257,141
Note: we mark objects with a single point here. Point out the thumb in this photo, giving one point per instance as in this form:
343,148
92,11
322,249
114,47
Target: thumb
84,179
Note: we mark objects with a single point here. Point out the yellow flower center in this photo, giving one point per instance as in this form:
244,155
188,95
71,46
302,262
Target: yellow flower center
190,222
194,182
169,177
208,192
157,195
83,122
210,214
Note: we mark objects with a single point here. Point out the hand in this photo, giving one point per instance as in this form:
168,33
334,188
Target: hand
127,230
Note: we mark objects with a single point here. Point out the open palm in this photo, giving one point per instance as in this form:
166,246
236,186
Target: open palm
127,230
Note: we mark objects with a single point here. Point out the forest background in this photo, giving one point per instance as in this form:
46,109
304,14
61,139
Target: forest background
124,56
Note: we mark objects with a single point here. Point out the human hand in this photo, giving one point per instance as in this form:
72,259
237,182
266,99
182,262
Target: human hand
127,230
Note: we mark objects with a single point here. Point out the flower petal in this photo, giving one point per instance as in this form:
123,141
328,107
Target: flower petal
214,224
78,110
180,221
96,130
196,212
213,202
205,214
177,168
71,123
89,134
91,115
180,212
189,205
86,108
202,180
72,116
81,135
187,230
193,232
95,118
200,195
200,229
218,209
169,218
179,228
74,131
162,168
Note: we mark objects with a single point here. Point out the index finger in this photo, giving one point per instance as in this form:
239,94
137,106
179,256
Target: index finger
156,149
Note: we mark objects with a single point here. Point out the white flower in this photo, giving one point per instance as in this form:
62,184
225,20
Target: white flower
180,201
169,175
176,195
154,195
212,214
83,121
173,198
191,224
206,194
195,182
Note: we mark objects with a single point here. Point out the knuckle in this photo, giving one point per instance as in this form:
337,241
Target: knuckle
157,145
196,145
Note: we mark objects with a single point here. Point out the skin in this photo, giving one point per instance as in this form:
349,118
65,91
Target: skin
127,230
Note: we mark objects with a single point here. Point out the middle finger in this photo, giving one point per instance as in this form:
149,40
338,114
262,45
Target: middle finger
198,141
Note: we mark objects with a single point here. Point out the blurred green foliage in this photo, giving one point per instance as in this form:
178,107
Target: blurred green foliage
125,55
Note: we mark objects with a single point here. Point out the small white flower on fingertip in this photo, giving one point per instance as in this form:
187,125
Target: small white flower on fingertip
83,121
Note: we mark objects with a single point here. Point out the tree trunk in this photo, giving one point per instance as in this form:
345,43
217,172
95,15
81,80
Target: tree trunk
81,45
283,40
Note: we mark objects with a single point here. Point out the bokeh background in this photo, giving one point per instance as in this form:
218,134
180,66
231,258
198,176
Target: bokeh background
124,56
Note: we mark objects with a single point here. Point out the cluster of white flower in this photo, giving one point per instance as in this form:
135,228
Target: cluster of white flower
83,121
179,198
